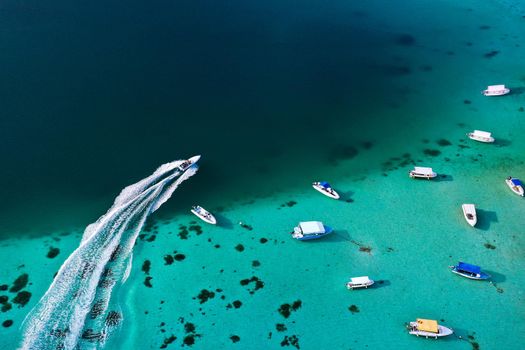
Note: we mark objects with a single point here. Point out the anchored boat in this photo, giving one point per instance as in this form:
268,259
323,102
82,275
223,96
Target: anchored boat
203,214
481,136
310,230
469,211
189,162
428,328
515,185
325,188
359,282
496,90
472,272
422,172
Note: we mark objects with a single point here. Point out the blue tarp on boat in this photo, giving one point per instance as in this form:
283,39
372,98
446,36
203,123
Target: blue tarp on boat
516,182
469,268
325,184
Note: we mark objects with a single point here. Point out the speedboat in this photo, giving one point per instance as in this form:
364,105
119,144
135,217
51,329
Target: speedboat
325,188
469,211
428,328
359,282
496,90
481,136
515,185
189,162
472,272
422,172
307,230
203,214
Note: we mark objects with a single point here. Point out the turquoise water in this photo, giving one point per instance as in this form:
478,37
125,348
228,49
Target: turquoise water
386,82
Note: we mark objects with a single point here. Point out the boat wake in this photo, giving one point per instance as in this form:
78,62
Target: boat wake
78,310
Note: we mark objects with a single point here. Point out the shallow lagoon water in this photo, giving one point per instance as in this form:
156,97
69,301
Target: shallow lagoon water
422,94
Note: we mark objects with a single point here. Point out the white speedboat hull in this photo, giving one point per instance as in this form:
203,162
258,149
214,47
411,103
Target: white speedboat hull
321,189
350,285
204,215
480,139
496,93
516,189
443,332
469,212
189,162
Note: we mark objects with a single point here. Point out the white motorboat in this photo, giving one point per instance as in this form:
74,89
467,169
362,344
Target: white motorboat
428,328
515,185
481,136
496,90
189,162
325,188
359,282
307,230
203,214
422,172
469,211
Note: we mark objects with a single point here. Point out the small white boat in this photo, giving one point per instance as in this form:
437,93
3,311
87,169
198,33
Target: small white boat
428,328
496,90
359,282
469,211
481,136
189,162
422,172
307,230
203,214
515,185
325,188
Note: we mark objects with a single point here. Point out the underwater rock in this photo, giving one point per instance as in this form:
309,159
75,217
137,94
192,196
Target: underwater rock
7,323
147,282
3,299
280,327
239,247
258,283
190,339
343,152
484,27
189,327
168,341
367,144
151,238
113,318
6,307
97,309
179,257
405,40
4,287
353,309
286,309
196,228
22,298
237,304
183,232
235,338
146,266
489,246
521,109
289,204
432,152
263,240
53,252
291,341
365,249
467,102
256,263
168,260
491,54
20,283
444,142
205,295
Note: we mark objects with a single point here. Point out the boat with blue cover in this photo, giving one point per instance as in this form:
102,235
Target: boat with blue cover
325,188
470,271
307,230
515,185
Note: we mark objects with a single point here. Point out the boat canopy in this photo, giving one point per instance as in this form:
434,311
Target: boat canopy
516,182
468,268
312,227
359,280
496,87
427,325
423,170
325,184
482,133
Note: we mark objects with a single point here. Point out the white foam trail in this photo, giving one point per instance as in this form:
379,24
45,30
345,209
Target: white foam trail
101,263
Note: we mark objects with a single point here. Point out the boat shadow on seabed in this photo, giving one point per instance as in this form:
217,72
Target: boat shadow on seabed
485,217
